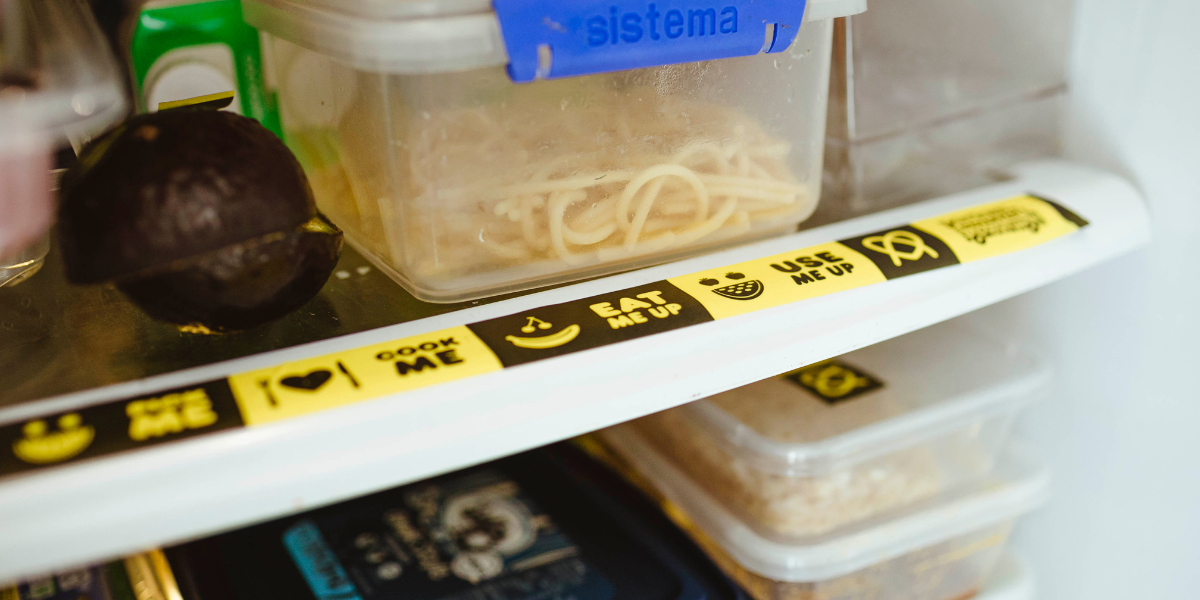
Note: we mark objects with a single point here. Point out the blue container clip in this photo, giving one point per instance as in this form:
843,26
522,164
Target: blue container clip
548,39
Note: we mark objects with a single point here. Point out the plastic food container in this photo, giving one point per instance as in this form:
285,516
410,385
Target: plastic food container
931,97
940,549
865,434
1010,579
639,133
58,81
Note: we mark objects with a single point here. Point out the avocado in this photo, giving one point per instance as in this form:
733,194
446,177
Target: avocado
201,218
242,285
167,186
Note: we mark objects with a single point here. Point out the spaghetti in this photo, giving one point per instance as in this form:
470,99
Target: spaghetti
569,182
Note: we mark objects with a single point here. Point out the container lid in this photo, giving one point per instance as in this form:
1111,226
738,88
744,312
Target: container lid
430,36
870,402
57,76
1019,484
408,9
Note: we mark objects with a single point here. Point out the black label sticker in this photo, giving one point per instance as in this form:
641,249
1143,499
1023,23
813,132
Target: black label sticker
560,329
1066,213
117,426
834,381
903,251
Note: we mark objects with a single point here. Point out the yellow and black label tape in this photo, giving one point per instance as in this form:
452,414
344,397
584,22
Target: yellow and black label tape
834,380
210,101
315,384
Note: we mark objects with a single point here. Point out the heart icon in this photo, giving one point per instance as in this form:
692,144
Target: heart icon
309,382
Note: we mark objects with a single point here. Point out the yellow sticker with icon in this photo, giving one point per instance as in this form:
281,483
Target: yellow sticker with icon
777,280
834,380
1000,227
218,100
41,444
304,386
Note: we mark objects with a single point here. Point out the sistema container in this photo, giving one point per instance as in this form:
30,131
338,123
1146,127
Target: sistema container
470,147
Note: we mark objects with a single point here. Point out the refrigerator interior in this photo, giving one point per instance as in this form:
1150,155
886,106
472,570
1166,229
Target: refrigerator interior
1117,430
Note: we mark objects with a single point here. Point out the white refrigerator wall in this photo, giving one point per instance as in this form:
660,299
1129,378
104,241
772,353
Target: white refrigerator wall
1123,430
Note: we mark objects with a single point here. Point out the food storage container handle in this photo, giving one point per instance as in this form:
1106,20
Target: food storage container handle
551,38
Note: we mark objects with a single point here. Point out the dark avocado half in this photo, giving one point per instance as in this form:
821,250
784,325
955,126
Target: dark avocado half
170,185
200,217
242,285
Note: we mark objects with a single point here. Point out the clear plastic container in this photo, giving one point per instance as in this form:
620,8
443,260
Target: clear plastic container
460,183
940,549
1011,579
930,97
58,83
902,421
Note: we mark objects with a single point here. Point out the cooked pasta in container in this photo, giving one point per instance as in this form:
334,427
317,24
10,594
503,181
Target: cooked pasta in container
474,147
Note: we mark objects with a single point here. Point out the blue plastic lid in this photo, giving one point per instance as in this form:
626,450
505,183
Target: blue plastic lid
433,36
551,38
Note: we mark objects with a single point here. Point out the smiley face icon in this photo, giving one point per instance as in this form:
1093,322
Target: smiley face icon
40,445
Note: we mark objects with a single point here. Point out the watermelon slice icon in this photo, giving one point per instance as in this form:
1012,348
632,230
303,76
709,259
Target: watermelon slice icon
742,290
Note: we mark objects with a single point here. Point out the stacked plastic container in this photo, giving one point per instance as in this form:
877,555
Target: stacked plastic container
885,474
470,147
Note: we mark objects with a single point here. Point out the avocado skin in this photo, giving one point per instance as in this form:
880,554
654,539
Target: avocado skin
167,186
242,285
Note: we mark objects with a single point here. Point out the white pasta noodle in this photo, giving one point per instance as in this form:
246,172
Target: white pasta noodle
545,179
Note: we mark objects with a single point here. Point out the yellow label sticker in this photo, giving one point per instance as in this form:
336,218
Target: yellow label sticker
315,384
833,380
999,227
780,279
217,100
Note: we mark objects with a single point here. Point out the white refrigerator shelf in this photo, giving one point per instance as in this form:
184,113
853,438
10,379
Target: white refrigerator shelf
374,435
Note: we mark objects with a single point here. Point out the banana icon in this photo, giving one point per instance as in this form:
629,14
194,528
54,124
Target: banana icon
553,340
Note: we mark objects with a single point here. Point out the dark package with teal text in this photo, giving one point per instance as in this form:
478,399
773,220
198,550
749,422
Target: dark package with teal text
545,525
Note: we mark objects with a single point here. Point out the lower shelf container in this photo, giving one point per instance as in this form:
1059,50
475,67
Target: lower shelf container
939,549
856,437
